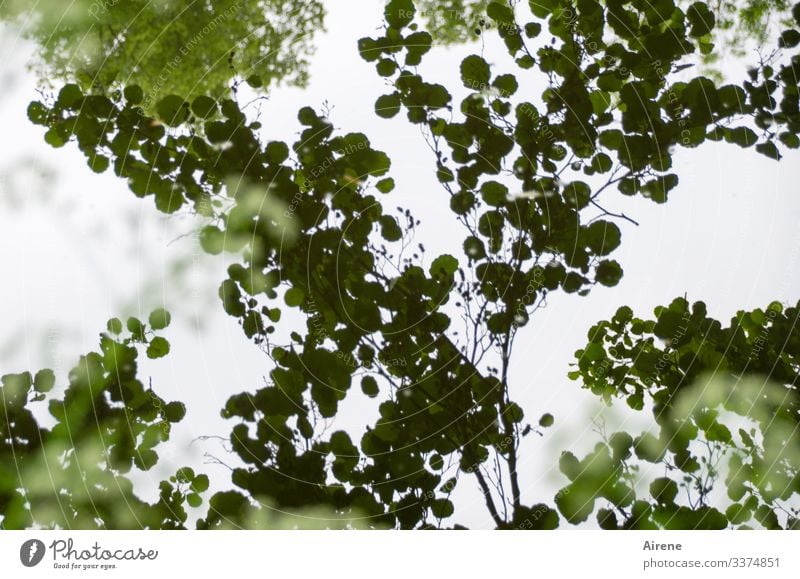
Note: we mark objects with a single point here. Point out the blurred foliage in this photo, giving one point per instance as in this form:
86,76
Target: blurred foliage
725,402
186,47
742,26
751,20
528,179
104,423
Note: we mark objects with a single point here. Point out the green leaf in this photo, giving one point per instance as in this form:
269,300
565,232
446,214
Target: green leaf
136,328
134,94
701,19
173,110
194,500
69,96
474,248
607,519
649,448
526,62
386,67
603,237
594,352
341,444
212,239
159,319
390,230
769,149
500,12
175,411
608,273
307,116
577,194
635,401
658,189
533,29
790,139
719,433
664,490
602,163
37,113
44,380
417,45
200,483
277,152
743,136
576,502
399,13
274,315
514,412
369,49
204,107
98,163
254,81
506,84
385,185
185,475
145,459
543,8
114,326
442,508
600,102
54,138
494,193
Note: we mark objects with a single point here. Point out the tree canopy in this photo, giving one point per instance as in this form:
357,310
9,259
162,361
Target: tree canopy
186,47
527,178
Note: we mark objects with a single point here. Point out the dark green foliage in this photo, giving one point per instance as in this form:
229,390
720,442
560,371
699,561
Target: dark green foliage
106,423
182,47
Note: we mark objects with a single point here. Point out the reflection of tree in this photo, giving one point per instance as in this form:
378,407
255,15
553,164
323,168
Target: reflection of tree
742,26
751,19
453,21
182,46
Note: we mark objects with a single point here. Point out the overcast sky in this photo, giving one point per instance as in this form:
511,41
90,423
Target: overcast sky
77,248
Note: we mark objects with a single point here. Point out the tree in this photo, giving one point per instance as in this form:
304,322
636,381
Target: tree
527,181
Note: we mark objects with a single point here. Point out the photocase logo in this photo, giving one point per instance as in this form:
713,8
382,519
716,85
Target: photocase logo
32,552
